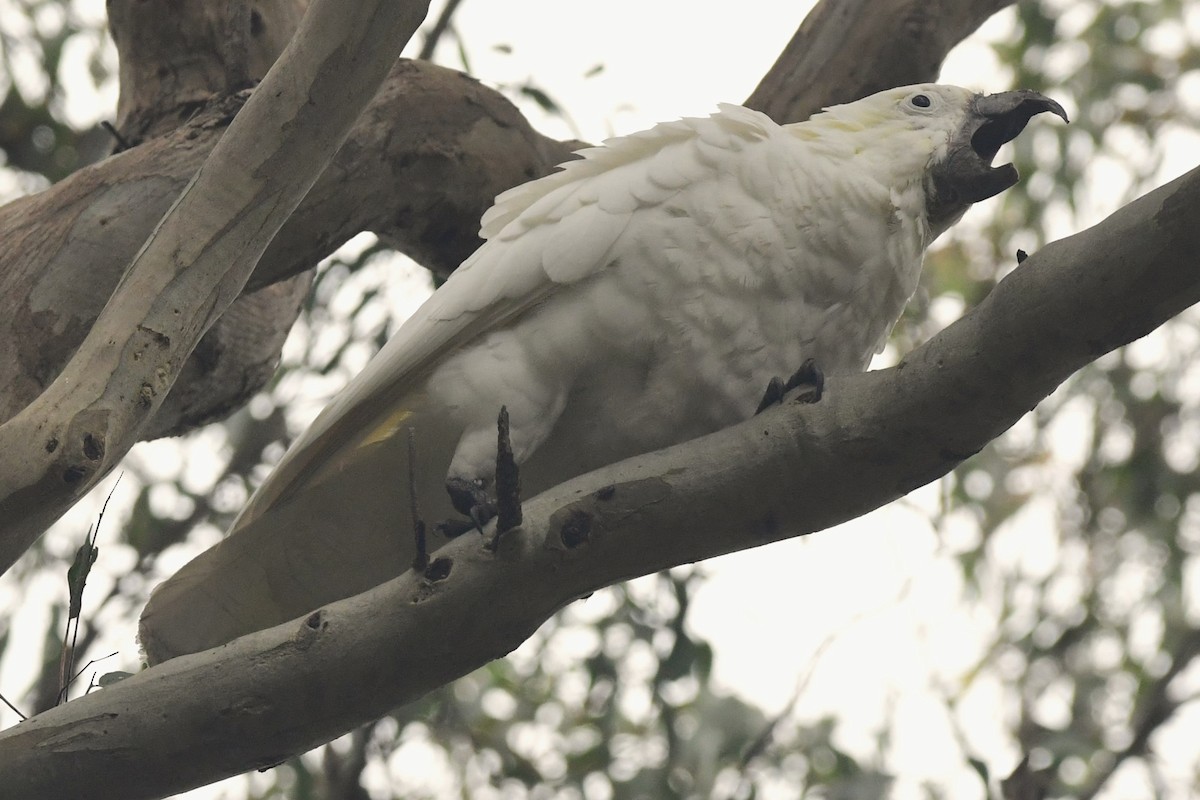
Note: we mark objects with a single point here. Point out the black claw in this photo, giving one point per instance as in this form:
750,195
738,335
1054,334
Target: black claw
480,515
809,378
470,497
772,396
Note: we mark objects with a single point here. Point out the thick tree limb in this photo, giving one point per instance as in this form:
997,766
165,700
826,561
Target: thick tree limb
176,60
793,470
419,167
859,47
196,262
69,245
176,57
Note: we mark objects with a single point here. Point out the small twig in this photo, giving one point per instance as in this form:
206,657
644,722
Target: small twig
1024,783
77,576
763,740
438,30
93,683
122,143
421,559
90,662
508,480
15,710
1154,708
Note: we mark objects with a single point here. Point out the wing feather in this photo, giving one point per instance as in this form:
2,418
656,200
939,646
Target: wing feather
557,230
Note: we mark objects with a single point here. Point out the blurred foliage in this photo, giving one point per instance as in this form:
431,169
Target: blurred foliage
1092,649
1076,535
37,39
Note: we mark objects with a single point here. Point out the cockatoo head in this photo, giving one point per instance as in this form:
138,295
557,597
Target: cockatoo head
947,134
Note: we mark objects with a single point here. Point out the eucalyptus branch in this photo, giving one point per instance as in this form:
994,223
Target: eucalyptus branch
792,470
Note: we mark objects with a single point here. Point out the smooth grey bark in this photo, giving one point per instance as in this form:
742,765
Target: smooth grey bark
196,262
419,167
859,47
790,471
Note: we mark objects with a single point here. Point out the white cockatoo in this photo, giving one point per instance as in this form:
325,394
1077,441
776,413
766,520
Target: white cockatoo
643,295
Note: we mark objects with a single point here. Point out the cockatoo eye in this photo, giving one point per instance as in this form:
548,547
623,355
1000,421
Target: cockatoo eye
921,100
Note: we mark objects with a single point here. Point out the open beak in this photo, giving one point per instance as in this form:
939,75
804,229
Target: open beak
966,175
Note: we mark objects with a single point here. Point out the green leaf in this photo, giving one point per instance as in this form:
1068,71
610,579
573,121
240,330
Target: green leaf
109,678
77,574
541,98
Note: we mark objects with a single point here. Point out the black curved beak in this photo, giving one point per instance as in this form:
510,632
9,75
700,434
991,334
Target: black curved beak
1004,116
966,175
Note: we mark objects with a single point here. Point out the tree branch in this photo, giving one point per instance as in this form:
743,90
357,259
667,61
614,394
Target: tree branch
790,471
1153,708
859,47
429,45
196,262
419,167
174,58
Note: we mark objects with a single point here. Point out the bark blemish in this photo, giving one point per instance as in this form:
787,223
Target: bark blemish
576,530
93,447
160,339
438,570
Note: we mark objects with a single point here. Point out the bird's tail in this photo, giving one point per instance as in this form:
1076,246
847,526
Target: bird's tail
326,534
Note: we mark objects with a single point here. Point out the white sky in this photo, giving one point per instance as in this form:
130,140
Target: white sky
884,584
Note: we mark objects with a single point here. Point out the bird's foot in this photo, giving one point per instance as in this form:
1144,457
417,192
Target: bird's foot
469,497
772,396
809,379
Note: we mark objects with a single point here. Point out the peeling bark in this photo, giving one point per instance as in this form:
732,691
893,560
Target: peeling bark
195,263
449,141
177,57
